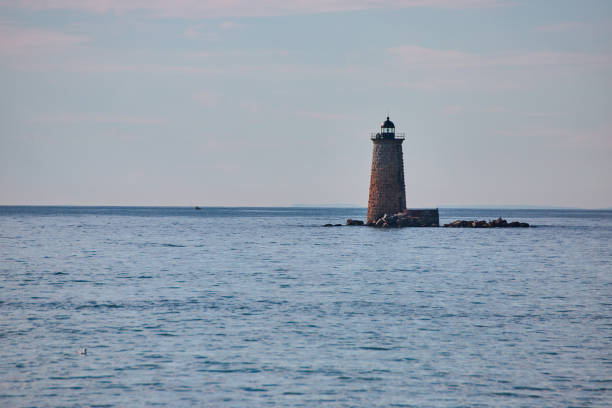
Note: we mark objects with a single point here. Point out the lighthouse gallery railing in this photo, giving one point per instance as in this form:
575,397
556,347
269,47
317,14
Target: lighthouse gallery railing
398,135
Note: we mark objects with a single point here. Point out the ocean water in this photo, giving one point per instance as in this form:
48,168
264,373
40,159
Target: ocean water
250,307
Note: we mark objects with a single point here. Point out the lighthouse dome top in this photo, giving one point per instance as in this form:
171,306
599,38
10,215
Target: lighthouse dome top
387,124
387,131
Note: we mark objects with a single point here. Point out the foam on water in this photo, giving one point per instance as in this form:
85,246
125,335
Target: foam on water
251,307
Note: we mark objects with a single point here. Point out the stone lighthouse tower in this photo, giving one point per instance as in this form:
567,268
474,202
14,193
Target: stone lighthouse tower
387,190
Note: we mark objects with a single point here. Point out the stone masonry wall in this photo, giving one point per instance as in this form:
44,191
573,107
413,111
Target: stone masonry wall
387,190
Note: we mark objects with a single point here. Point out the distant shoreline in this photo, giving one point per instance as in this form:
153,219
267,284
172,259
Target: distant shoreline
331,206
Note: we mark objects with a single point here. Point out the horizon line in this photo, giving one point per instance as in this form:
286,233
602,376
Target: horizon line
327,206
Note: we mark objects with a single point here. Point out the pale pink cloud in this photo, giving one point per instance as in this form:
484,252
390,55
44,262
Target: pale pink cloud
460,110
495,109
97,118
325,116
561,27
594,138
211,32
208,99
278,71
193,32
414,57
552,59
226,54
239,8
231,25
85,66
250,106
439,81
434,70
417,57
544,115
599,138
15,40
454,109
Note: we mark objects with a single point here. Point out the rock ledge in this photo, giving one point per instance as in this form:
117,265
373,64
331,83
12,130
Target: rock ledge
408,218
498,223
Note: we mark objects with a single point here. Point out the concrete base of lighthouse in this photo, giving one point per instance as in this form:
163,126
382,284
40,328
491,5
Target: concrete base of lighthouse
421,217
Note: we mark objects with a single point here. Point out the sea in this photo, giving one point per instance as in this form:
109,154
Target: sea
257,307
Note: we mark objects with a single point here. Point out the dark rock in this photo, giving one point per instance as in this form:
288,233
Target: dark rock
392,220
498,223
328,225
459,224
354,222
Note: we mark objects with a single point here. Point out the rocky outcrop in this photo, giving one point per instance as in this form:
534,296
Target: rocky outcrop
429,218
498,223
408,218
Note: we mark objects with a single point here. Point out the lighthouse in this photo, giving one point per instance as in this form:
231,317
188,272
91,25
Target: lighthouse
387,189
387,202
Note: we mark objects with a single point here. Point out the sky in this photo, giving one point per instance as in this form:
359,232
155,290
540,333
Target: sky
271,102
